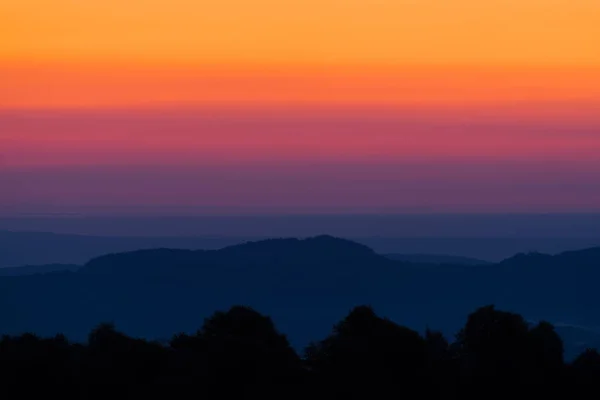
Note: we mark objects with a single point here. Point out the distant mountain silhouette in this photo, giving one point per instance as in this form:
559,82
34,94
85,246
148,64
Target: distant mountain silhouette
303,284
436,259
271,252
38,248
531,259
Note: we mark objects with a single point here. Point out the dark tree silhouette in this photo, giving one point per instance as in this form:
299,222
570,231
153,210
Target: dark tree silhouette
239,353
546,349
499,349
442,366
368,355
585,373
111,359
239,346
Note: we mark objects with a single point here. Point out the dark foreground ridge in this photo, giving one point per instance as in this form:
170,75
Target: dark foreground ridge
240,354
304,285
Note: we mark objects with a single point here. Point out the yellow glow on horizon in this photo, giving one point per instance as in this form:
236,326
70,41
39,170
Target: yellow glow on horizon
114,53
491,32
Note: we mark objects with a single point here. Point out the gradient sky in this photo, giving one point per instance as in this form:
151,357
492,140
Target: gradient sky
318,105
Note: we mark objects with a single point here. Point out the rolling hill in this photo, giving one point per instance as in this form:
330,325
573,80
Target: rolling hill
303,284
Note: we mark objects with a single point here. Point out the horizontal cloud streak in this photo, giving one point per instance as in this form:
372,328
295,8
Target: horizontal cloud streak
344,160
209,137
441,187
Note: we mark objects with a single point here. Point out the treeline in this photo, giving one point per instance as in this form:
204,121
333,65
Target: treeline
240,354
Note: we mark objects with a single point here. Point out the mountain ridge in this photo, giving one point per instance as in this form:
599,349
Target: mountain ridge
145,291
19,248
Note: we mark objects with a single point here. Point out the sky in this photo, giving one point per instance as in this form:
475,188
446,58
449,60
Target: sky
300,106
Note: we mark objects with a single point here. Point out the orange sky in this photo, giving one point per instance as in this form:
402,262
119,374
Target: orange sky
304,31
93,86
113,53
491,90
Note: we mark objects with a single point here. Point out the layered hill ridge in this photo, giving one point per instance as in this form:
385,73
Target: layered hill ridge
304,284
18,248
284,252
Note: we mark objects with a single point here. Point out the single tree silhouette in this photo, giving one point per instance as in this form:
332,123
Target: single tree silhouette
586,370
368,355
239,350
